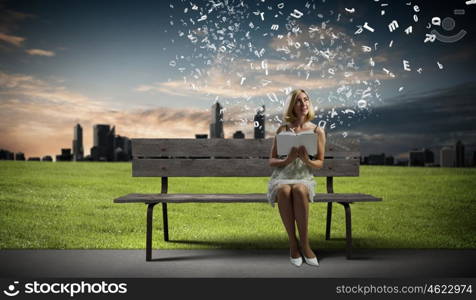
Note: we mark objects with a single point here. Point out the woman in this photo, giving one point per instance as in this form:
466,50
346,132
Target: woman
292,182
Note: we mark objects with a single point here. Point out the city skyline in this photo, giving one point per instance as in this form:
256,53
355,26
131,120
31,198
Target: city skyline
446,156
105,142
449,156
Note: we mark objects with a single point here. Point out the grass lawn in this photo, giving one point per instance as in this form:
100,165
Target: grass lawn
66,205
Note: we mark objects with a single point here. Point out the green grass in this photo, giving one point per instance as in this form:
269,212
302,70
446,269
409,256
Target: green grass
69,206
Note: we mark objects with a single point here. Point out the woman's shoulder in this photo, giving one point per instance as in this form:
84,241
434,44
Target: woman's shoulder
319,130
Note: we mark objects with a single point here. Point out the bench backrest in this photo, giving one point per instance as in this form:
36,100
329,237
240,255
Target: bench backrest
229,158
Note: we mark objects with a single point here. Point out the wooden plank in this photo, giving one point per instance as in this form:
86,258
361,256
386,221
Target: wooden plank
251,148
234,198
201,147
230,167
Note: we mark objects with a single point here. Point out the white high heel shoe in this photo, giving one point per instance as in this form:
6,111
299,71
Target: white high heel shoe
311,261
296,261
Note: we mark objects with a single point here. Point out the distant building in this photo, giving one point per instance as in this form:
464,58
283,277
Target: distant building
19,156
78,151
65,155
259,122
94,156
216,126
238,135
447,157
376,159
46,158
459,154
33,159
103,143
6,155
120,155
122,148
201,136
416,158
389,161
428,156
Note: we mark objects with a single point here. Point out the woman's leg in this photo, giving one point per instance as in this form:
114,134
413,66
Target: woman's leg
300,197
285,204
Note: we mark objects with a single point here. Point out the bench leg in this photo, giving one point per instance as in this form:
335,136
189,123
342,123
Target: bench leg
148,239
328,222
166,222
348,229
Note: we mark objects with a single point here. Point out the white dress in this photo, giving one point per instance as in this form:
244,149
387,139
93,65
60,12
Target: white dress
295,172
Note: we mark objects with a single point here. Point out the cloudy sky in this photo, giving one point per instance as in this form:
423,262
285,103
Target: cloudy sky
153,69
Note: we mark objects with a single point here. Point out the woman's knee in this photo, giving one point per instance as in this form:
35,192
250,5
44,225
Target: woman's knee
284,191
300,190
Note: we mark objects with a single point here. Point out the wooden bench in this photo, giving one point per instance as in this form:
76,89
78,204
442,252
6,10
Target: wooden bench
232,158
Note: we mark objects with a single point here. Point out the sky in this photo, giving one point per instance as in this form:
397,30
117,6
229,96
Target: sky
153,69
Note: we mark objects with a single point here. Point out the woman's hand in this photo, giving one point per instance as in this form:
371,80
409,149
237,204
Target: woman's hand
292,155
302,153
304,156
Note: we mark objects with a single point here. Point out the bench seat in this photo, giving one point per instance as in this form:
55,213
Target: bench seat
233,198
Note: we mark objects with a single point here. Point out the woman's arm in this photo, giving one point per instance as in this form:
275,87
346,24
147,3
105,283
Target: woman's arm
321,146
274,161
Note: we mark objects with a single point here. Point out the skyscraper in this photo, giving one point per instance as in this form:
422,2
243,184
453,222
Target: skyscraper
459,157
416,158
259,121
447,157
429,156
103,138
78,151
216,126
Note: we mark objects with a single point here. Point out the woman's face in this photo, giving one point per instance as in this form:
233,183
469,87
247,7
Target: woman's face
301,107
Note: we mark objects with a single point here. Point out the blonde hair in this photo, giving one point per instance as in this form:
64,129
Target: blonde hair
288,113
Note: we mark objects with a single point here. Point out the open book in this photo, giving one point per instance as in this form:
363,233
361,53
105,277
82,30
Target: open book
286,140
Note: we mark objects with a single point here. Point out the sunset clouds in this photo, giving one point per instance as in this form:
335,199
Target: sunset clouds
11,39
38,117
40,52
9,22
246,78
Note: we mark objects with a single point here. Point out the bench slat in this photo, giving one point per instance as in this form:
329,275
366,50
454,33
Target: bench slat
233,198
145,148
230,168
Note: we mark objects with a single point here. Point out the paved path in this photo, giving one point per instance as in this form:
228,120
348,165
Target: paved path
393,263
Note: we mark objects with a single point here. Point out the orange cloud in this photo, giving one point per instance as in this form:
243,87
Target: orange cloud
11,39
9,23
40,52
